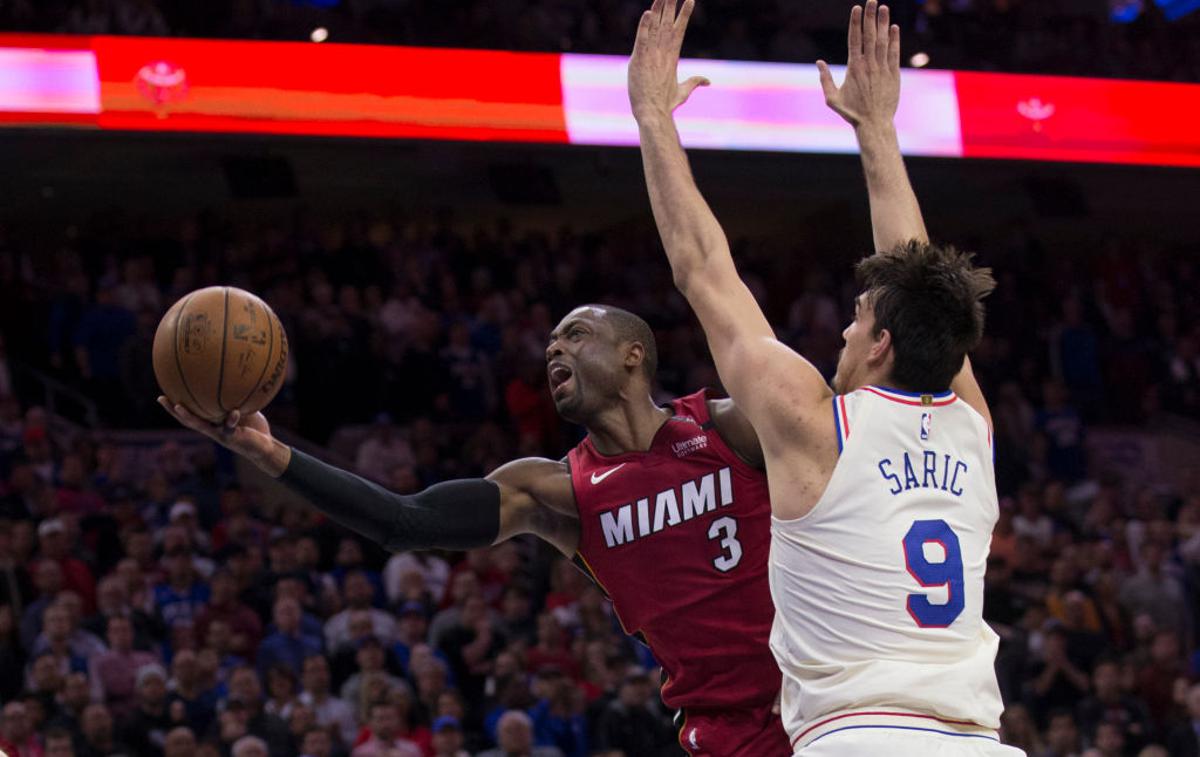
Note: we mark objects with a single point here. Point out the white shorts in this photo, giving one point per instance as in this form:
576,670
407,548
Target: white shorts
901,742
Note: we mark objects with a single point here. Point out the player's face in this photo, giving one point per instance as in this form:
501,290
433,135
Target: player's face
860,338
583,364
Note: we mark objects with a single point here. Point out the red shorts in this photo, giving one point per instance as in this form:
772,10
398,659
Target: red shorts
733,733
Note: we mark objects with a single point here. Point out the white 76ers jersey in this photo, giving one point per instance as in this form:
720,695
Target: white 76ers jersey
878,590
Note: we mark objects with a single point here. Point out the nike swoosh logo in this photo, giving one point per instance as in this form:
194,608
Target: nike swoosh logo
597,479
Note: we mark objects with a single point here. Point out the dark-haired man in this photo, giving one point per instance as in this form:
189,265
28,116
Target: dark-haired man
883,494
666,507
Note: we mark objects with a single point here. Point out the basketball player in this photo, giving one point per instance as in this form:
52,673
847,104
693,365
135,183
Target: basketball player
666,508
883,494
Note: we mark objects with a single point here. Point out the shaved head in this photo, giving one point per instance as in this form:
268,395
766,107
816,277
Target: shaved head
628,327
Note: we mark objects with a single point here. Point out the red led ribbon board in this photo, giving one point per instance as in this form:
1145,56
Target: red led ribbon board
336,90
187,85
1070,119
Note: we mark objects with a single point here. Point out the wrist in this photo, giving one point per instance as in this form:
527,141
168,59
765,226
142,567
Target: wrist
652,116
876,131
275,460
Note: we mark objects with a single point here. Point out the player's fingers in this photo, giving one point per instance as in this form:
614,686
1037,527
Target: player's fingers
644,24
854,39
869,30
893,59
827,85
688,87
882,36
184,416
685,14
232,420
658,8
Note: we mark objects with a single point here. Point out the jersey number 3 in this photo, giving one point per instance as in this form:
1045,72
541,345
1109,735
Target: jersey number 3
948,573
725,529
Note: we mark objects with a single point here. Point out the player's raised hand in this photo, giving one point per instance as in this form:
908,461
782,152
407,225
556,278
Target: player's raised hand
249,436
654,86
871,92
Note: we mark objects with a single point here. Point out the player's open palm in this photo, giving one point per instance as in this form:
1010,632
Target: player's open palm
654,86
871,92
246,435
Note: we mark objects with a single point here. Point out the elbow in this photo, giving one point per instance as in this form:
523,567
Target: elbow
683,276
689,274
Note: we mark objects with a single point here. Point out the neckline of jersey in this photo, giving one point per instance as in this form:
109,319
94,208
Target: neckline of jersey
914,395
654,441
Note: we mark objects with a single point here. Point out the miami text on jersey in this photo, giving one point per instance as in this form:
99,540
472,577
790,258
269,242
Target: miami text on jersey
937,472
667,508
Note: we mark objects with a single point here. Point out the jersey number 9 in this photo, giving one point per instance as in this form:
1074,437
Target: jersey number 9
948,573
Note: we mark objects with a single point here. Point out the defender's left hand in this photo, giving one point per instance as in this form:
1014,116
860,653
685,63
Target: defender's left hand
870,94
654,89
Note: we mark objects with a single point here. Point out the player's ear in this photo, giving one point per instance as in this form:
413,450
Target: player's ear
635,353
881,348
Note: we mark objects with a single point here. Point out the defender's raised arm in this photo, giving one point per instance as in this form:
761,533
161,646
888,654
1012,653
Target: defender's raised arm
748,357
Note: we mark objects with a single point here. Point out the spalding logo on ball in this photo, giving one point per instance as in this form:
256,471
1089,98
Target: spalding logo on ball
220,349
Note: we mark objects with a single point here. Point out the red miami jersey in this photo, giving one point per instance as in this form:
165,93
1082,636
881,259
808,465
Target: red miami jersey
678,537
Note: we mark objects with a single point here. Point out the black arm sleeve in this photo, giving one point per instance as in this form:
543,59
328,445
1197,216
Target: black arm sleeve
452,515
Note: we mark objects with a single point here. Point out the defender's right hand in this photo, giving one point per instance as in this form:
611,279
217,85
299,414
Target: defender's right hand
870,94
249,436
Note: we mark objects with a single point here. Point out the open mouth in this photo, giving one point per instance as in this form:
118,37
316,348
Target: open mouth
560,376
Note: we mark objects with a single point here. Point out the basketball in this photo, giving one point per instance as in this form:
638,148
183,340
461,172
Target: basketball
220,349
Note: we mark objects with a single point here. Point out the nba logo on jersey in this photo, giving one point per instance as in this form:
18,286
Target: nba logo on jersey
926,425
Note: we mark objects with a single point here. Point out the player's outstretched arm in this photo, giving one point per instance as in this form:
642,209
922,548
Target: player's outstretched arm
526,496
867,100
756,369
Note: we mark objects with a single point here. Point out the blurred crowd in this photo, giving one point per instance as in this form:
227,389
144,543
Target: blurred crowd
1073,37
152,603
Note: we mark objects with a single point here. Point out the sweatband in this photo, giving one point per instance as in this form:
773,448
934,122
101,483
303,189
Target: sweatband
458,515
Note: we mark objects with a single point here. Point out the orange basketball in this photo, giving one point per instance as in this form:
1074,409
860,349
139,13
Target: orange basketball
220,349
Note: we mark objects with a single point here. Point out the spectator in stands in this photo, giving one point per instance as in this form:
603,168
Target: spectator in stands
180,742
371,658
250,746
463,584
182,595
245,695
1109,704
244,626
384,448
187,689
114,673
1155,591
145,728
558,713
469,648
60,635
551,648
448,737
56,545
1184,740
1157,681
288,646
359,594
316,742
112,600
98,737
57,743
514,735
17,736
102,332
627,725
385,725
331,712
412,629
282,691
